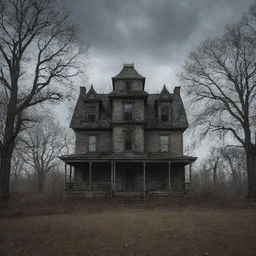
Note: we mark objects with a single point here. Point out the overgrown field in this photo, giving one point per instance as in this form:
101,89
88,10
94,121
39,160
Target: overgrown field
124,230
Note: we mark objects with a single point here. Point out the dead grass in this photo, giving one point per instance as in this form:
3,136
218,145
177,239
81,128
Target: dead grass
112,229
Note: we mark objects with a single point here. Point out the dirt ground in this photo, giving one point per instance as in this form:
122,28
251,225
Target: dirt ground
183,231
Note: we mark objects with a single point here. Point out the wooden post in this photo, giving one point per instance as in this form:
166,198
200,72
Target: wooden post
114,176
144,179
190,174
65,173
70,173
169,175
90,175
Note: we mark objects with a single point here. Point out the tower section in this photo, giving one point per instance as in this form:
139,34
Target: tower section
128,100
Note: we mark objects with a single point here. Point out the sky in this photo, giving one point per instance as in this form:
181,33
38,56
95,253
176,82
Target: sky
156,35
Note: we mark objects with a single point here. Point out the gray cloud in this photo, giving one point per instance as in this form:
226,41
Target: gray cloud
155,35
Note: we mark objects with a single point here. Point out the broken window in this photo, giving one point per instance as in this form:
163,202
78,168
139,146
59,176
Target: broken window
92,143
128,140
91,110
165,113
164,145
128,111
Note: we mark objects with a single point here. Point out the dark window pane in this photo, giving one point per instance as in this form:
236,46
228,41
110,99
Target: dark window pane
165,113
128,111
91,118
128,140
128,85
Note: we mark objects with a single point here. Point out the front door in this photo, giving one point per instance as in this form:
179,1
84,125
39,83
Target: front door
130,179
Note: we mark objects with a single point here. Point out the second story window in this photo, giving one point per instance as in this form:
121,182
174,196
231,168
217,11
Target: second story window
128,111
164,143
91,109
127,140
165,113
92,143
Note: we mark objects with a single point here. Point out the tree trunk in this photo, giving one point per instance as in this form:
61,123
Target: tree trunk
5,169
251,171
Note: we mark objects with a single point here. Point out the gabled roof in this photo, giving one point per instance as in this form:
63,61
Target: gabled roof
164,94
128,72
92,94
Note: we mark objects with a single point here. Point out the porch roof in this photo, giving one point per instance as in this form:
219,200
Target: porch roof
127,157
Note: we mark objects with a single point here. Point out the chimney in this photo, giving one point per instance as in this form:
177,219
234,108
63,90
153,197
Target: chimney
177,90
82,90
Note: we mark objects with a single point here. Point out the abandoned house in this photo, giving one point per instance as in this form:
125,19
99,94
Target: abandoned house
127,141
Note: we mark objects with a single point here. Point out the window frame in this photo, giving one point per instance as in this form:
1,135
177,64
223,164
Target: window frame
125,133
128,85
91,113
162,145
125,113
167,114
92,144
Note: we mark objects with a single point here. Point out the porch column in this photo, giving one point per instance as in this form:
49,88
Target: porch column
169,175
90,175
144,178
65,173
114,176
70,173
190,174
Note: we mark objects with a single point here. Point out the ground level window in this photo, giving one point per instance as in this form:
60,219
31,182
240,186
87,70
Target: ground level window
92,143
128,140
164,143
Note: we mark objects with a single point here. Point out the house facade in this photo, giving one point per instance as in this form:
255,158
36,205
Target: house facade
127,141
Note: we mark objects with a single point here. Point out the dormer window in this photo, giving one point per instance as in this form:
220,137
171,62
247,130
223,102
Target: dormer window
165,113
128,85
128,111
91,110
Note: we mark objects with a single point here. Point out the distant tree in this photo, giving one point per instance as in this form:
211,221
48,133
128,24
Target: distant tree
220,77
38,57
42,146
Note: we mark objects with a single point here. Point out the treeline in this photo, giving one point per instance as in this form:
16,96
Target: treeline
221,173
36,168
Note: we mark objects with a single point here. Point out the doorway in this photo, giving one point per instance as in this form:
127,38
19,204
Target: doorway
129,179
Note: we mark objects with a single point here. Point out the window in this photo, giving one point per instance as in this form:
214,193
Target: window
128,85
165,113
128,140
164,145
92,143
91,110
128,111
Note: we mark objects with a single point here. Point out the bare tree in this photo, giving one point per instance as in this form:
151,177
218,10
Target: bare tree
221,79
44,143
38,57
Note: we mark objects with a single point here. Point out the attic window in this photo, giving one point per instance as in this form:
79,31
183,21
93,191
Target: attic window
128,111
91,110
128,85
165,113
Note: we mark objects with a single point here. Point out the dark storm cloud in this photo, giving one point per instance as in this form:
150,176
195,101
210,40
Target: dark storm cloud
148,32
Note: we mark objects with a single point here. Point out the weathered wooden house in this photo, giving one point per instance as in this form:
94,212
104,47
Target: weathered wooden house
127,141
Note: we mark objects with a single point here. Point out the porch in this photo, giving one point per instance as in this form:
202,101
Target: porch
95,178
